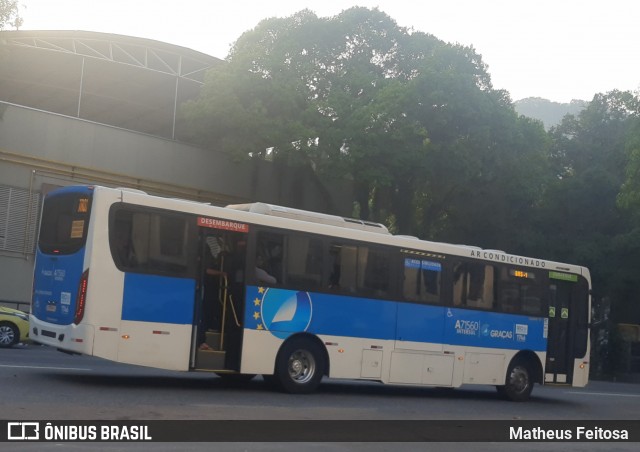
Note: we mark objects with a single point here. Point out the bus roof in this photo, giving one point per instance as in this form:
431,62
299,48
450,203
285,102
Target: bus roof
313,217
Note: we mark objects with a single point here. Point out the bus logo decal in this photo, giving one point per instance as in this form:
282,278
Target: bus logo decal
281,312
467,327
286,312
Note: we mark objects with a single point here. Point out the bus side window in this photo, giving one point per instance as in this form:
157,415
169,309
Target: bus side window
139,237
168,236
123,246
303,262
360,270
150,242
343,267
474,285
269,254
124,249
374,270
422,280
519,292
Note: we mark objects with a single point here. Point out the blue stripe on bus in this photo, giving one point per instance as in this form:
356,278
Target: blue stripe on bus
284,312
494,330
162,299
420,323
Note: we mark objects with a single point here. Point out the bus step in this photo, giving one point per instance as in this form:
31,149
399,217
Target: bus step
213,339
210,359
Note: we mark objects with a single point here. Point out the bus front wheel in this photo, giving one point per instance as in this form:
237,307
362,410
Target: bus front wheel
519,382
299,366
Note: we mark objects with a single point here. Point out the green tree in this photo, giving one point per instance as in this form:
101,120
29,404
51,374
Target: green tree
589,207
484,165
412,121
9,14
629,197
326,115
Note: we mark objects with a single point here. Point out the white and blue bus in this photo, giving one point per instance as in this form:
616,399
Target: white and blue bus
295,296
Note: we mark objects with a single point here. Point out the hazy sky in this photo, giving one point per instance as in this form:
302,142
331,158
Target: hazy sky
556,49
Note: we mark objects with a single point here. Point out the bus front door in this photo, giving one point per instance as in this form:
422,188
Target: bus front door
567,329
221,300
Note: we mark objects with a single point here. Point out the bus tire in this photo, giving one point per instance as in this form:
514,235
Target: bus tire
519,382
299,366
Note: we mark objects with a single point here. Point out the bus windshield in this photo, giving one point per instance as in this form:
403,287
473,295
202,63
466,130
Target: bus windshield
65,220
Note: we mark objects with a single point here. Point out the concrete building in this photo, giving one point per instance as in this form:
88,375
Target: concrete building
82,107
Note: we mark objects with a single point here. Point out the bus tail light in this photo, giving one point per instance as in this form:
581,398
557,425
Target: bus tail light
82,297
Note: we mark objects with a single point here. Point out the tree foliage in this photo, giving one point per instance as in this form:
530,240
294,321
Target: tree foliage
412,121
9,14
590,209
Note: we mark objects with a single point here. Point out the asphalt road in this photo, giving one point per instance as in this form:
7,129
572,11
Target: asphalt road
40,383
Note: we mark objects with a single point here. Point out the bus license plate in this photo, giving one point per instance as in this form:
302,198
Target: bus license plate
51,308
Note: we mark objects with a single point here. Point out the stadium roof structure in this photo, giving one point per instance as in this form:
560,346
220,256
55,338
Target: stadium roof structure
123,81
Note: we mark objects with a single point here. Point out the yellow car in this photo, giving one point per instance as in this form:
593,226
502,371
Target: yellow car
14,327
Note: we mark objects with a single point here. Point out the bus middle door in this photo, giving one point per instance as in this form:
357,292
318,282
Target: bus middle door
218,326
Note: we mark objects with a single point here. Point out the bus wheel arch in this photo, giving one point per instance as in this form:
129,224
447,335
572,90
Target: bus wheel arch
523,371
300,364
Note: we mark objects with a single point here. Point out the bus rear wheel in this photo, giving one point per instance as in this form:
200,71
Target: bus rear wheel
299,366
519,382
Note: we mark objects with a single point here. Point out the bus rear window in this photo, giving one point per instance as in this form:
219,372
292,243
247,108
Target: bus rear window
65,220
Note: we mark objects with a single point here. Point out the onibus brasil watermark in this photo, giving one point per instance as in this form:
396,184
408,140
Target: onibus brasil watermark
47,431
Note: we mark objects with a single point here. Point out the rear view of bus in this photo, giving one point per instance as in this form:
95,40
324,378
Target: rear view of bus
60,275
